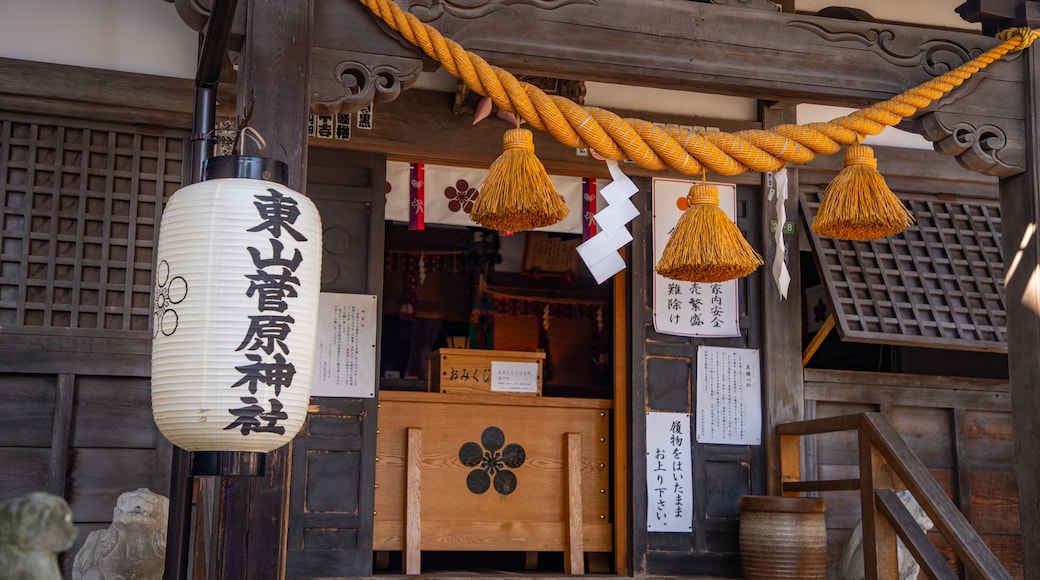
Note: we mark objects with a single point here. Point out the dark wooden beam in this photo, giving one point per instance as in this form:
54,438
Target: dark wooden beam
996,15
1020,214
273,95
715,47
421,127
681,45
61,439
691,46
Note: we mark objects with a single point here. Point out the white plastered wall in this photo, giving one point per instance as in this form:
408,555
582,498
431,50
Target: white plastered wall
140,36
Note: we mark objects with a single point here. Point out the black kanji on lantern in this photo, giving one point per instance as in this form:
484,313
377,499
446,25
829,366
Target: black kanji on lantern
273,283
491,461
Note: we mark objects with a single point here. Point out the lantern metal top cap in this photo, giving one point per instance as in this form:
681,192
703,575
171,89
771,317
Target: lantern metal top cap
246,167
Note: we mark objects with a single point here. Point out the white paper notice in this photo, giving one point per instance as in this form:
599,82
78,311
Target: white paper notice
669,479
690,308
729,396
345,346
514,377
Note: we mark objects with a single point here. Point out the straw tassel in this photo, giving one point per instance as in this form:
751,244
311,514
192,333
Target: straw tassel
858,205
517,194
706,246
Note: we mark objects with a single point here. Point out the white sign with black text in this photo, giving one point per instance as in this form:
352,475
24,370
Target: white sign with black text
729,396
514,377
345,346
669,477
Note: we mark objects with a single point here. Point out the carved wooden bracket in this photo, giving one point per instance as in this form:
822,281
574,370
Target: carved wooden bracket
343,83
977,144
982,123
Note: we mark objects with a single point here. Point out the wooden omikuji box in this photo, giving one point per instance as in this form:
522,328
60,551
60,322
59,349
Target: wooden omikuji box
481,471
465,370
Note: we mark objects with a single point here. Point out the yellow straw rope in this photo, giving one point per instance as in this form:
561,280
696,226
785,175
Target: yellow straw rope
690,153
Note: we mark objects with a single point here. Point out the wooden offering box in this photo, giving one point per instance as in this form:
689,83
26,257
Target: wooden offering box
494,472
464,370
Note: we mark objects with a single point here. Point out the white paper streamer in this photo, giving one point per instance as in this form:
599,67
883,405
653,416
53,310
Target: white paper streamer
777,184
600,252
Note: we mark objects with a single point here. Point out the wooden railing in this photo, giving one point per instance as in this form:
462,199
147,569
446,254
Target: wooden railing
883,455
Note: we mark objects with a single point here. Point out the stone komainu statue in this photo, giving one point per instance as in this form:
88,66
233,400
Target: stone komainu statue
133,547
33,529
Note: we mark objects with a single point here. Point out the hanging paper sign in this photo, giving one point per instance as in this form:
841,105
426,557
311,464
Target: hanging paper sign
345,346
669,479
451,191
690,308
729,396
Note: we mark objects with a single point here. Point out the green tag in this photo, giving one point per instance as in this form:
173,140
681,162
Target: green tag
788,226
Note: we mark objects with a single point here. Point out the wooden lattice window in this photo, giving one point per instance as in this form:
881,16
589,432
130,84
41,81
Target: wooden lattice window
80,206
938,284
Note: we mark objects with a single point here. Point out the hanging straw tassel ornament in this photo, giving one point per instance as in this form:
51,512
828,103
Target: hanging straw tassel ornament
858,205
517,194
706,246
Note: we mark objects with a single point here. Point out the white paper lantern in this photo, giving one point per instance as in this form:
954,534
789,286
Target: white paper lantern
236,300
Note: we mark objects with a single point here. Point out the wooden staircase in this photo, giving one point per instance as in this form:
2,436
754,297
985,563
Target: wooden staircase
883,457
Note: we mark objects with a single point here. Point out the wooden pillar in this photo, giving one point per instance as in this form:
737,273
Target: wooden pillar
783,400
413,504
880,560
272,99
1020,216
574,558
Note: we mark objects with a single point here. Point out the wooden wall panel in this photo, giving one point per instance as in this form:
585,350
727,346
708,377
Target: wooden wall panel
927,431
961,431
327,522
26,410
1008,549
989,439
664,379
81,192
24,470
98,476
331,491
994,501
114,412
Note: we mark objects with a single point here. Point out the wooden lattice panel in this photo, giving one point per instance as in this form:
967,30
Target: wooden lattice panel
937,284
80,206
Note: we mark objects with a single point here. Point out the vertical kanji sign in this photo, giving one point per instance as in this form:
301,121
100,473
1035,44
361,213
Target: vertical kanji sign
669,479
690,308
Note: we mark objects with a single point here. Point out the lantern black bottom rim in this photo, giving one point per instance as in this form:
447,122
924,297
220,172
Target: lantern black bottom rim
227,463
